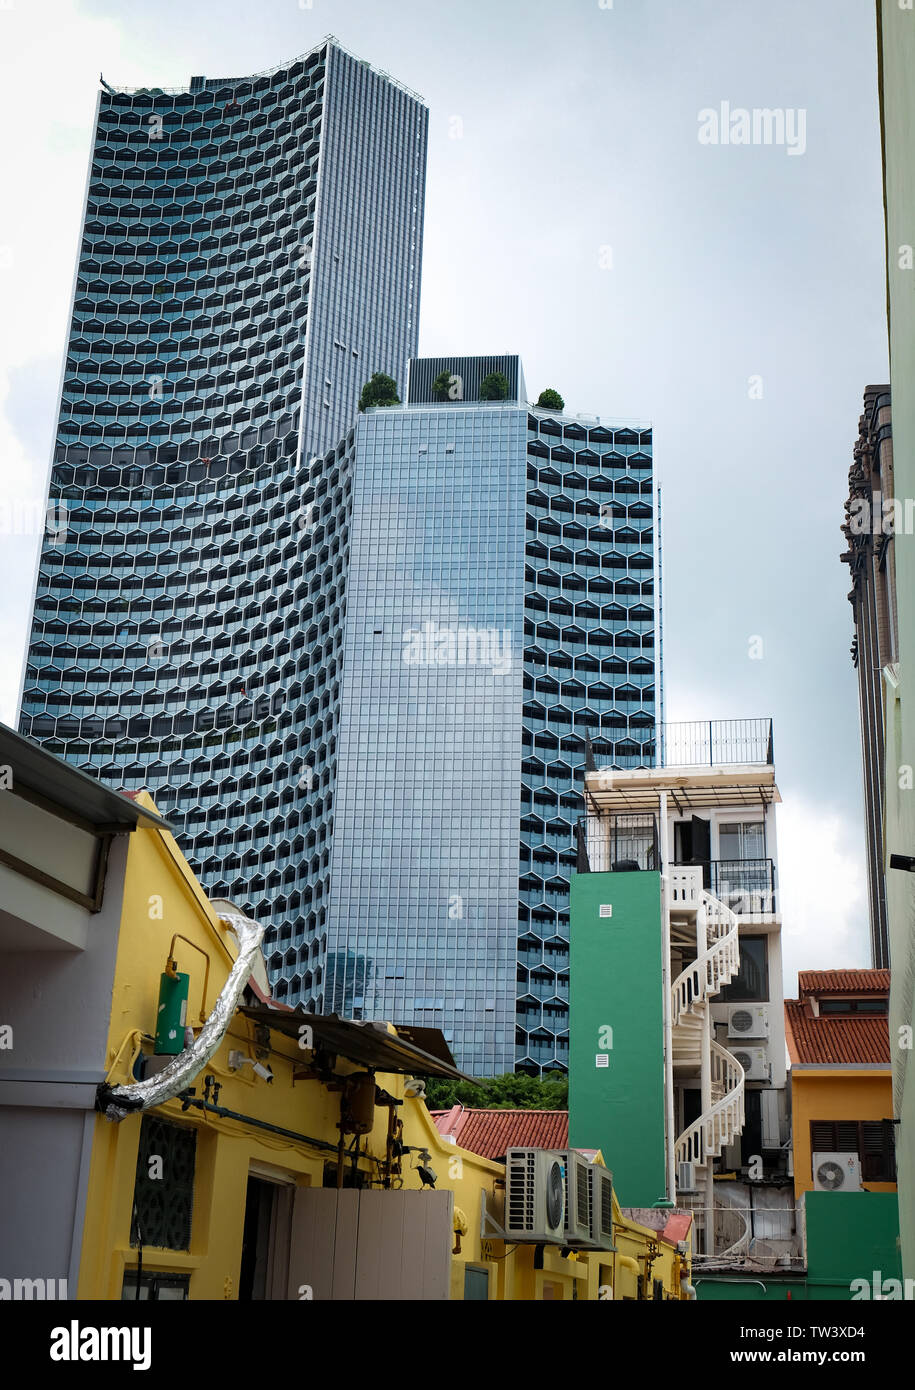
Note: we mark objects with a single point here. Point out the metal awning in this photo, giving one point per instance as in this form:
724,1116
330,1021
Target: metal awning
637,791
366,1042
63,790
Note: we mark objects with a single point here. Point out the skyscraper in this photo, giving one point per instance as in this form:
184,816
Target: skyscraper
251,254
500,618
361,663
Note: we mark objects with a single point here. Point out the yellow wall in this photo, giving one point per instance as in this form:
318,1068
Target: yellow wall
835,1093
161,898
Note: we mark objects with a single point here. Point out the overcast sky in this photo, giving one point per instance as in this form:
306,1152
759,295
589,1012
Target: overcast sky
733,295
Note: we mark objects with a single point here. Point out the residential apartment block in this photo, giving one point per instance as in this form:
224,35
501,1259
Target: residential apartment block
677,1027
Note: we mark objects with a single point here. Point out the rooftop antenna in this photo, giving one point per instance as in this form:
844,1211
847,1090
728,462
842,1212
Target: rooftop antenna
106,85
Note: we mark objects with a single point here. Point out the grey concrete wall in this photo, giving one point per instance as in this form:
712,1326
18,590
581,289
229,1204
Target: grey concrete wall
58,1004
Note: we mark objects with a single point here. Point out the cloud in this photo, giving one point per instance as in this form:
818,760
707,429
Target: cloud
823,890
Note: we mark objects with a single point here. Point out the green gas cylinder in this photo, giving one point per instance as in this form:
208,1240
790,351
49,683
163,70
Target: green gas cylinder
172,1012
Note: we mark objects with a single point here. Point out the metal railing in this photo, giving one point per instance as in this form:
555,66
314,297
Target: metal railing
744,885
617,842
716,742
270,72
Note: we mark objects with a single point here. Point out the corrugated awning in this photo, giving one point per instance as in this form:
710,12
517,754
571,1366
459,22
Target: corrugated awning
63,790
366,1042
634,792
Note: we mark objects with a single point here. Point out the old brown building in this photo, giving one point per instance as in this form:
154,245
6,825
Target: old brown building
868,528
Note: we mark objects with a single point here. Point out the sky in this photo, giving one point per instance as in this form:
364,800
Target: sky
577,213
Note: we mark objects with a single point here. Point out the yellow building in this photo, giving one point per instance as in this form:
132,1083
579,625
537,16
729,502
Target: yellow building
234,1148
841,1078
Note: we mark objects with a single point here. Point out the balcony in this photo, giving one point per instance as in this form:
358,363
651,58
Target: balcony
617,842
746,886
717,743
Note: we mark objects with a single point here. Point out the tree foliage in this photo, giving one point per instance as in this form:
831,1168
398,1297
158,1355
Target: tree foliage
381,390
550,400
442,385
494,387
513,1090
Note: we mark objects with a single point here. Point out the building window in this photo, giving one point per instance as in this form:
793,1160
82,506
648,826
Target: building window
854,1006
163,1196
871,1140
742,840
159,1288
752,981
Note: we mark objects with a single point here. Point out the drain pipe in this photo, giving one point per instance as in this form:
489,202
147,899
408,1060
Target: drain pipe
118,1101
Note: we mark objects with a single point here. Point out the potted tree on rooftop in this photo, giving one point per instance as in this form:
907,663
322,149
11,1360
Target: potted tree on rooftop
380,390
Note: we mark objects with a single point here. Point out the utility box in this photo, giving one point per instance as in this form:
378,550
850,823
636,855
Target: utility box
171,1014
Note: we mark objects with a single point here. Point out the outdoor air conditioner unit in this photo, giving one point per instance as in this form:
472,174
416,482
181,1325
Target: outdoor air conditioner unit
755,1062
836,1172
535,1185
577,1222
686,1177
748,1021
601,1182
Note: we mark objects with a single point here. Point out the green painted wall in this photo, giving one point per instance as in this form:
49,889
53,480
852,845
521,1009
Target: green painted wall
849,1236
615,983
751,1289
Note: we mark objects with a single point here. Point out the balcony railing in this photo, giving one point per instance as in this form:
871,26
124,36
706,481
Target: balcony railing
746,886
617,842
715,742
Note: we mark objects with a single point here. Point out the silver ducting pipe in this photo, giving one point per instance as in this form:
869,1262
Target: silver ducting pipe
117,1101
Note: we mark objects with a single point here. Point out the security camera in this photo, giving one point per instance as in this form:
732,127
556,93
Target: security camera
237,1060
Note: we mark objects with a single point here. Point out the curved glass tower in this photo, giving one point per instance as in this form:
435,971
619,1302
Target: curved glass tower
251,255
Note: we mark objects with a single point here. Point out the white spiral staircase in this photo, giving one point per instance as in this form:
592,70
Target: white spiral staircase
700,922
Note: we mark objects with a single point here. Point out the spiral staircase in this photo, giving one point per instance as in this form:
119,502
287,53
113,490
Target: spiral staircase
703,927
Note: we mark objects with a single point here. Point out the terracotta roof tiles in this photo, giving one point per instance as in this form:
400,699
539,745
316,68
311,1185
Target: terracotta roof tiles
831,1040
843,982
490,1133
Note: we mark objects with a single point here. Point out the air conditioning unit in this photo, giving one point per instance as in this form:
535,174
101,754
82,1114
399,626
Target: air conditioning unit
577,1223
535,1186
755,1062
686,1177
601,1181
770,1120
836,1172
748,1021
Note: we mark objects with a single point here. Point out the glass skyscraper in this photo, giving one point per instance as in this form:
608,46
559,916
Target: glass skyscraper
500,618
251,254
361,661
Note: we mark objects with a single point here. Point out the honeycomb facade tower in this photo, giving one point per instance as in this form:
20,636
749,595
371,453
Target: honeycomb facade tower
500,618
251,254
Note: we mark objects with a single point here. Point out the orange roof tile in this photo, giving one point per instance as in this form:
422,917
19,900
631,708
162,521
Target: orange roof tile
843,982
833,1040
490,1132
